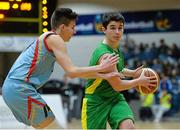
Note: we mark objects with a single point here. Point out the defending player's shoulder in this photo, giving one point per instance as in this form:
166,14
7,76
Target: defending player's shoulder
55,42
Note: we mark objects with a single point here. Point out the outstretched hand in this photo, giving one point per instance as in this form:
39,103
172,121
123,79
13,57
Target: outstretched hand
108,62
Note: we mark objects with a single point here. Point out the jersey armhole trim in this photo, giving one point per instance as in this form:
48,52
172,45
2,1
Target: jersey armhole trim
45,43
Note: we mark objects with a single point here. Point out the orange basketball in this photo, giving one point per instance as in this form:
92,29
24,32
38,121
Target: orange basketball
143,89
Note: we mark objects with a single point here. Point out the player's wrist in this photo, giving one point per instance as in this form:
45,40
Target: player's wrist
138,81
99,68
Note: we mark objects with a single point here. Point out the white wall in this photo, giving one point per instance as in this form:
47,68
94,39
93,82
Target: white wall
81,47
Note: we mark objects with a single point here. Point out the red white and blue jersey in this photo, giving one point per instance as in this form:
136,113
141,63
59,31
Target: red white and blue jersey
35,64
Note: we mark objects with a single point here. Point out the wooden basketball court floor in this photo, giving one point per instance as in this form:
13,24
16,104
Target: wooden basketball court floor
76,124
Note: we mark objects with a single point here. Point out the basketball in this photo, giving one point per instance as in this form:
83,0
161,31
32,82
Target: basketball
143,89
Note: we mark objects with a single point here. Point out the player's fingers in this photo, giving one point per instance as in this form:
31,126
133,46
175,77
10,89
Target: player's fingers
114,57
105,57
110,55
121,75
114,62
153,77
139,68
152,85
116,74
143,71
148,88
153,81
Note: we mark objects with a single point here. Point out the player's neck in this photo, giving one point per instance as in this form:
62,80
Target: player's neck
113,45
56,31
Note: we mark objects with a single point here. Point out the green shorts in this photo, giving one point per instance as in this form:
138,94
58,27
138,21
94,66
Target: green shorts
96,112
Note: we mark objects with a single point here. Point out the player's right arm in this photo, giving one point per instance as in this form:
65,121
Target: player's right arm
119,84
57,45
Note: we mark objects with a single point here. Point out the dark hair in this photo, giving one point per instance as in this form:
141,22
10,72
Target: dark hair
112,16
62,16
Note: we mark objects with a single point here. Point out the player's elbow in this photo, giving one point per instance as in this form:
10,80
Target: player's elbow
116,89
70,75
115,86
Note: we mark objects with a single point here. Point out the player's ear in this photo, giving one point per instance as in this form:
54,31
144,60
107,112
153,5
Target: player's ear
103,29
61,27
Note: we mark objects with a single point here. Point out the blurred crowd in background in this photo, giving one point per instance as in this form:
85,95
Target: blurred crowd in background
164,59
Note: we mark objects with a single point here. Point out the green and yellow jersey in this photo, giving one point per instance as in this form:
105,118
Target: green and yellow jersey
102,103
99,86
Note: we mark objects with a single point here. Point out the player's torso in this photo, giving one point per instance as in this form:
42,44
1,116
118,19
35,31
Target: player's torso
35,64
101,87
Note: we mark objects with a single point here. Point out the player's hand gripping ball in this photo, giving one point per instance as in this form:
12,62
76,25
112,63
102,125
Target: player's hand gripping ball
148,89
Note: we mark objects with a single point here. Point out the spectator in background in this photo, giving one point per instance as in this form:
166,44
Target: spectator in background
163,48
164,106
154,50
165,84
175,91
145,112
157,66
175,51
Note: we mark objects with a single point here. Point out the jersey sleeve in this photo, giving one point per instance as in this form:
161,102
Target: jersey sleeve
97,55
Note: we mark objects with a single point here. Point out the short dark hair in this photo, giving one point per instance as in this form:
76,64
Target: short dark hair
112,16
62,16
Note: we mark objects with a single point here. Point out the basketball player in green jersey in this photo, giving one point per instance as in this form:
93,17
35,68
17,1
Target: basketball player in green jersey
103,101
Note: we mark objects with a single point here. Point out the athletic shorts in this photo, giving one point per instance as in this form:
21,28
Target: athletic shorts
26,103
96,112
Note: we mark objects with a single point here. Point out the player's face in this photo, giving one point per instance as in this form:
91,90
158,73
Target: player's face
114,31
69,31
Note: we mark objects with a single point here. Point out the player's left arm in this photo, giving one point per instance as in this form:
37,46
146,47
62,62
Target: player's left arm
131,73
119,84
